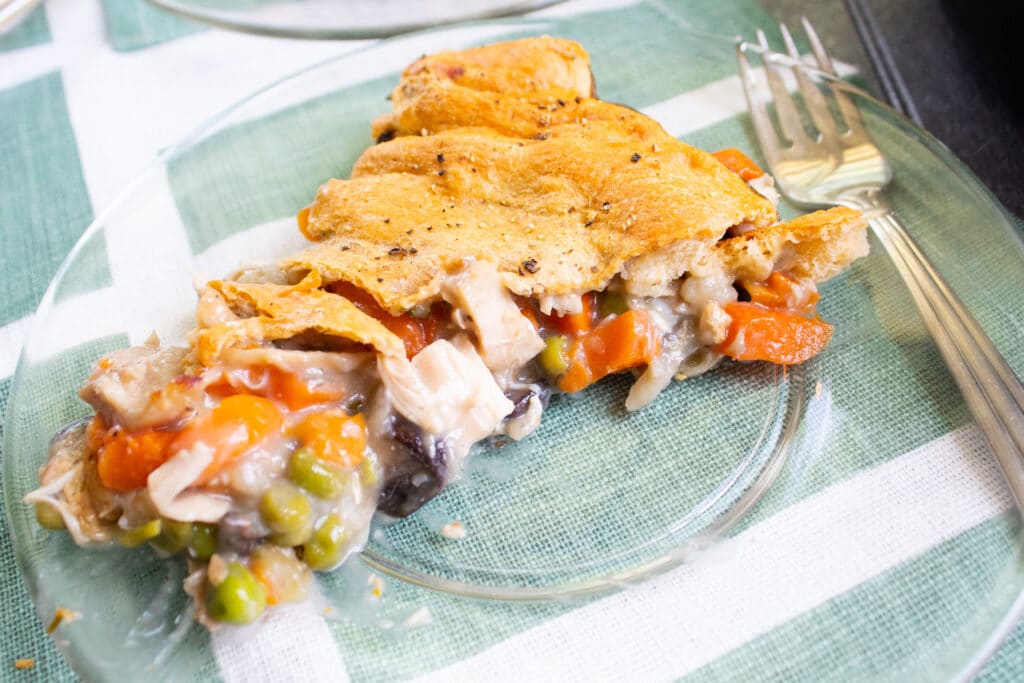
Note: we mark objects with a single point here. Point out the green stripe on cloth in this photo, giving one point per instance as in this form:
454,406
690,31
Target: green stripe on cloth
33,31
278,172
136,24
1007,665
44,204
21,633
875,631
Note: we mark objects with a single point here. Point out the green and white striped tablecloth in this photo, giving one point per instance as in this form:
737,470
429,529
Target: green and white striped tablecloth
91,90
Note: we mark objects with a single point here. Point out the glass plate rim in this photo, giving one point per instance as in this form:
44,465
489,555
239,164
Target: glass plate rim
232,21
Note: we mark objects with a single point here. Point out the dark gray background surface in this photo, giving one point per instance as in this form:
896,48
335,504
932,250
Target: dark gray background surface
960,65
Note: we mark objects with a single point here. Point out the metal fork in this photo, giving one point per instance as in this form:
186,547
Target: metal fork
843,166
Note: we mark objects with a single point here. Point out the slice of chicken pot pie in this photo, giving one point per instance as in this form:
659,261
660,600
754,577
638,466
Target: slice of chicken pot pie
509,237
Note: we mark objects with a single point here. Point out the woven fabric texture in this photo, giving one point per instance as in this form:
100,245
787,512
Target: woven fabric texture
866,564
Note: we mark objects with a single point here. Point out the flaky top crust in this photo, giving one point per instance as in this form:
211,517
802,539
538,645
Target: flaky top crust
556,188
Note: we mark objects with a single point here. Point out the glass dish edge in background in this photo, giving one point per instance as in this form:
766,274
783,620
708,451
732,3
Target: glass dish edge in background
243,21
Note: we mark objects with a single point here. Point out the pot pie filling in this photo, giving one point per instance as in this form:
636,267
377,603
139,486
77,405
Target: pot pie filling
318,390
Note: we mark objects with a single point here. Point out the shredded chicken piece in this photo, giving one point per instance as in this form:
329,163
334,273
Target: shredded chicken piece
507,338
212,308
518,428
658,374
714,324
135,386
168,488
447,390
64,486
765,186
562,304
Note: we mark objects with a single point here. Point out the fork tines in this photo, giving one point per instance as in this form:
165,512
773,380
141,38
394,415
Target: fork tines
790,123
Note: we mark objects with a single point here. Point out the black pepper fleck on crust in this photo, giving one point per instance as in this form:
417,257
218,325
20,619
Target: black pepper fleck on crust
635,158
385,136
396,251
606,207
531,265
440,158
441,172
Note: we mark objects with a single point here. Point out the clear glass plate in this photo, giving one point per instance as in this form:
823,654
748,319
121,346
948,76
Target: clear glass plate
343,18
597,498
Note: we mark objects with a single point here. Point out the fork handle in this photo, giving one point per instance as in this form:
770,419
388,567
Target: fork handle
992,392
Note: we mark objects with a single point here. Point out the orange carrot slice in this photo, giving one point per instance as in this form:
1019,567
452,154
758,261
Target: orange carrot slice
415,333
782,291
126,459
738,162
232,428
775,335
575,324
334,435
626,341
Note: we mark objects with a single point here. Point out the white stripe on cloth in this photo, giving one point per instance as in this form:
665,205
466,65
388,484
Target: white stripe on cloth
762,578
12,336
713,103
166,101
28,63
290,644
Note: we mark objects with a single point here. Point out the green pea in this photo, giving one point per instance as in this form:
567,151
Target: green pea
326,548
612,303
286,511
49,518
132,538
554,359
368,471
203,542
174,536
420,310
238,599
319,478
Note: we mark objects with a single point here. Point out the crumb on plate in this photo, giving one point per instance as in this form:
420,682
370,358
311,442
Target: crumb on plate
62,615
420,617
455,530
376,585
